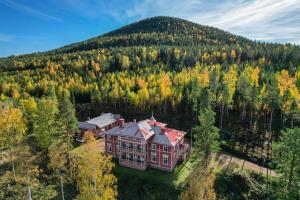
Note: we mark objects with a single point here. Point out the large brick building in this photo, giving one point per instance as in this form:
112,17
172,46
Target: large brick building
147,143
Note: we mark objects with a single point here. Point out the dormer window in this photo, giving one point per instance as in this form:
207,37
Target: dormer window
165,148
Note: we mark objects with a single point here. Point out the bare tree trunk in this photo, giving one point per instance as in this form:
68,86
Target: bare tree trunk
29,193
222,113
251,117
62,188
243,165
69,154
12,162
227,112
228,165
271,119
243,110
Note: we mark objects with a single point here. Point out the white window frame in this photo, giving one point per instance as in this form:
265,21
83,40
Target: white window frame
109,149
165,158
153,146
134,156
153,155
142,159
165,148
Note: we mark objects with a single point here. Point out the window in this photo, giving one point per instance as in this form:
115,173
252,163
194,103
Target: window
142,159
108,147
127,156
153,146
118,147
134,147
142,148
165,148
130,146
108,137
134,157
153,156
165,159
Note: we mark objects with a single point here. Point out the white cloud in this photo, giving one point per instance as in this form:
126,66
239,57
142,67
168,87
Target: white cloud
29,10
6,38
268,20
13,38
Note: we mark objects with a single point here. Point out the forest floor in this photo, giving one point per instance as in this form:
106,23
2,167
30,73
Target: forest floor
223,161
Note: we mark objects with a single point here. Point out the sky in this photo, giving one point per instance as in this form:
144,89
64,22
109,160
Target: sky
28,26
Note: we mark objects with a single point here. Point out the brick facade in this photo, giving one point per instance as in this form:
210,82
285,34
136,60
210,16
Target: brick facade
137,146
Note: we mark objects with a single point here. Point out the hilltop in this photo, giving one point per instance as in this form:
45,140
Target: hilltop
159,31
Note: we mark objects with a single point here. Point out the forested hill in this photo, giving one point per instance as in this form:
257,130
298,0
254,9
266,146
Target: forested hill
167,32
159,31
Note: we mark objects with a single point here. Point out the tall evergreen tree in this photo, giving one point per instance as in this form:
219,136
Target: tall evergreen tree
206,137
287,159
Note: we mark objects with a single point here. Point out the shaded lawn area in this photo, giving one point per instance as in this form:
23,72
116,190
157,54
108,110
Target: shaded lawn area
176,178
152,183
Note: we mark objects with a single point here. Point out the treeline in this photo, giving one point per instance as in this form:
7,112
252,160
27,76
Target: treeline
253,93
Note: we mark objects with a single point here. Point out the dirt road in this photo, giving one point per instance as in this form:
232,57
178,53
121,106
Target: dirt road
221,161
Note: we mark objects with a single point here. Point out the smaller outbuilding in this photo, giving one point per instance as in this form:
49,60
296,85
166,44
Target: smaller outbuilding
100,124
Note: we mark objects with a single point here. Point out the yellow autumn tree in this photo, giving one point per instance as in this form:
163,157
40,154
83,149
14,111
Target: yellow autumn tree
12,130
228,89
93,173
165,88
200,189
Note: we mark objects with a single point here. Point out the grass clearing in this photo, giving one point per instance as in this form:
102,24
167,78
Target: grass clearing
177,177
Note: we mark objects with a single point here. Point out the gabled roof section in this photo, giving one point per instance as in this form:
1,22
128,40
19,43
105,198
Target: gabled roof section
101,121
149,130
87,126
141,130
164,135
155,123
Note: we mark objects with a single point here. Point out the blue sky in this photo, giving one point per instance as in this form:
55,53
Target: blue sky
34,25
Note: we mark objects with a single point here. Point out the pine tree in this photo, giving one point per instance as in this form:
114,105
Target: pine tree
206,137
287,159
67,120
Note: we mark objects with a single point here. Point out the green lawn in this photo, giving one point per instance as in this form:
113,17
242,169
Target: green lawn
176,178
151,184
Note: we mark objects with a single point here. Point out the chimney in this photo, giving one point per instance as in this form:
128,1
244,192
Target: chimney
121,122
134,120
162,131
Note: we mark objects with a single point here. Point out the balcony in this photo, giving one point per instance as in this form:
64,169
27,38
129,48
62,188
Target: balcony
132,163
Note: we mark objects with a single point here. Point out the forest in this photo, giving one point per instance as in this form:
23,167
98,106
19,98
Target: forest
243,94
